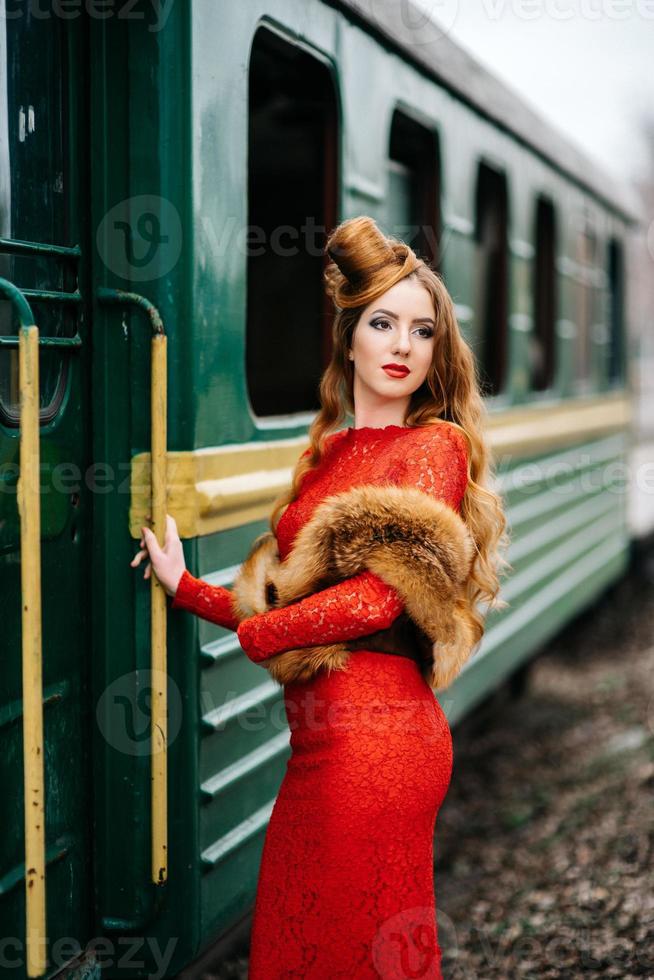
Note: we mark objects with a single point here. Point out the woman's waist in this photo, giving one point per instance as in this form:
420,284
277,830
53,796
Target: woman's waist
369,676
377,696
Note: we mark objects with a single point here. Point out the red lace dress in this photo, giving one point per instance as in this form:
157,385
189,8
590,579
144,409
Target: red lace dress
346,884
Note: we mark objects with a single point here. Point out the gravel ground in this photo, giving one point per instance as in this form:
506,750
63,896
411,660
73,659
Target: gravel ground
544,842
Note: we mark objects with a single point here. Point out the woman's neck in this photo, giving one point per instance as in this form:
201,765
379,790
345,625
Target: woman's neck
376,420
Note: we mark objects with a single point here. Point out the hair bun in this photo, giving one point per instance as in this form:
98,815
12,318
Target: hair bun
364,262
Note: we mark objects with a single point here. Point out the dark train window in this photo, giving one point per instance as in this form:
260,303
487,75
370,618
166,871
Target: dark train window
491,301
615,366
543,339
413,212
34,205
292,206
585,261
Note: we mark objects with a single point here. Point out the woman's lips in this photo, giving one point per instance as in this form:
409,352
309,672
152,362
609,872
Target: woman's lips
396,372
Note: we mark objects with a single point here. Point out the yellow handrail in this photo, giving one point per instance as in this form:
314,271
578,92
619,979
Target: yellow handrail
159,709
158,640
29,507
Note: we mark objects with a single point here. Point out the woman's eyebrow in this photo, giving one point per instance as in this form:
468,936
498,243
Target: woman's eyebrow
420,319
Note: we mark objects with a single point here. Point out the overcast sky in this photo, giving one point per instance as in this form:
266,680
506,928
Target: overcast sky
588,65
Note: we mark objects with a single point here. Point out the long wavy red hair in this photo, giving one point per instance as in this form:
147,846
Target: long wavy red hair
364,263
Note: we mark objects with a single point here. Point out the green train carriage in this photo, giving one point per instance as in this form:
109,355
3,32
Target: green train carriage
138,152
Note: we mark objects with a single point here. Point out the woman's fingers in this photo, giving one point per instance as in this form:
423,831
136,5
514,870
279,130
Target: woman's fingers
171,530
138,557
151,540
150,547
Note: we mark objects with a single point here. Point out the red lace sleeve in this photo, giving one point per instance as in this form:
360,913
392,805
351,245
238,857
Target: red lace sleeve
434,459
211,602
355,607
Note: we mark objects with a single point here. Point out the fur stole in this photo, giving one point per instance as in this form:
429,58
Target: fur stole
413,541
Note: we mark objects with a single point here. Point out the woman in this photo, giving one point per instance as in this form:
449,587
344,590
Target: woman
346,880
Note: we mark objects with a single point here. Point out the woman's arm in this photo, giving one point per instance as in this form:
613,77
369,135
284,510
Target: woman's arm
355,607
210,602
358,606
435,460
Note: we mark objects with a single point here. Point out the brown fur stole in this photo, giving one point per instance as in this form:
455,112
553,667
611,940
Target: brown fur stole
413,541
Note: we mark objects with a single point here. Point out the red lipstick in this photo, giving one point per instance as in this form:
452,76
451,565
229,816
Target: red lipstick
396,370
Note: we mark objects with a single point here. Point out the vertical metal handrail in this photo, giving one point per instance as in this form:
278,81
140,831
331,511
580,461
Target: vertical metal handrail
29,507
159,667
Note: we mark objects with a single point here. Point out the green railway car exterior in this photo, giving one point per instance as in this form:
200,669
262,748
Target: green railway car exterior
162,147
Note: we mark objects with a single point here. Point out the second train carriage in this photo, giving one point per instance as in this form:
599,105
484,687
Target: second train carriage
195,161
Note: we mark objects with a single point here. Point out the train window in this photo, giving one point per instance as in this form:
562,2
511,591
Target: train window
542,349
292,202
491,300
615,367
53,365
34,204
585,259
414,187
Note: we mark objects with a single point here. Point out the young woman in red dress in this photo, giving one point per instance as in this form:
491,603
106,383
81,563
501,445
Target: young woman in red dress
346,884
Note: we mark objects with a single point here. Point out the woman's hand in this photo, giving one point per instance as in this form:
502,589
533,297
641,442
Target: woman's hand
168,562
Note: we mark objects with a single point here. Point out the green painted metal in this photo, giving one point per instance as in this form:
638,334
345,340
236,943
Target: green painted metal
66,507
63,342
18,301
136,115
34,248
120,297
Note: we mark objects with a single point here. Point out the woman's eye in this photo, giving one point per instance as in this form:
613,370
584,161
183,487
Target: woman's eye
428,332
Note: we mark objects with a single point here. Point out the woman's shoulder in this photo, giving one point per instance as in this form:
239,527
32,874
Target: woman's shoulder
439,435
436,460
331,440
